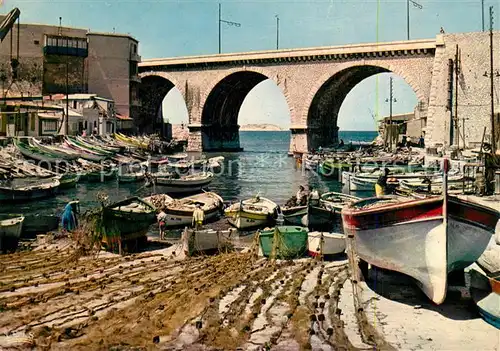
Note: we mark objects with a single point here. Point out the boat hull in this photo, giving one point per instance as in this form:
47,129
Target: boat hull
174,219
325,244
243,221
417,240
10,232
203,241
291,242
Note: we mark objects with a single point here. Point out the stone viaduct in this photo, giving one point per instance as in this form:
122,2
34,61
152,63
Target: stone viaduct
315,82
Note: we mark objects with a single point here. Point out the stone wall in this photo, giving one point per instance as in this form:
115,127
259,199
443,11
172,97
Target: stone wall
474,88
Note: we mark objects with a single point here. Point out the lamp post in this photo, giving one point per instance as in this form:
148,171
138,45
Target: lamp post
390,101
415,4
277,32
493,139
236,24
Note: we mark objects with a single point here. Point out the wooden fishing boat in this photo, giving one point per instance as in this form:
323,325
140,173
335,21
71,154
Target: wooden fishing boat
39,224
83,145
64,154
130,177
86,155
180,211
34,153
26,189
181,166
205,241
425,239
127,221
312,163
331,168
283,242
10,231
325,244
68,180
334,201
313,217
96,176
185,184
251,213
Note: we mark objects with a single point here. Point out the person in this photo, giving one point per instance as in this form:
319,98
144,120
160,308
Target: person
162,224
314,198
341,144
84,133
95,131
198,217
421,141
381,185
300,197
69,220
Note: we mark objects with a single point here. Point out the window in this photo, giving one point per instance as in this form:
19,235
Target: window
49,126
74,104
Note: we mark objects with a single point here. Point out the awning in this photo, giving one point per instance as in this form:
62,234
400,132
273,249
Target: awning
49,116
123,117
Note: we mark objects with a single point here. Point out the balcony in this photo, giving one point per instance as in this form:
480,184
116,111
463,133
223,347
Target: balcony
135,78
135,57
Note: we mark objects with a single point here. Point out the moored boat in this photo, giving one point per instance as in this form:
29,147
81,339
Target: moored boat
336,201
204,241
127,221
283,242
10,231
130,177
325,244
185,184
180,211
25,189
251,213
423,238
39,224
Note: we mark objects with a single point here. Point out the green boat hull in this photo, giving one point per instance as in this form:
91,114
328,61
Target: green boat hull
284,242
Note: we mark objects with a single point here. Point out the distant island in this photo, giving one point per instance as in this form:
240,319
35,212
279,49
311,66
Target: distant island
260,128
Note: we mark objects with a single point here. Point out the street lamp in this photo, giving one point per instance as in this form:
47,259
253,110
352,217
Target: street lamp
415,4
277,32
390,100
491,75
236,24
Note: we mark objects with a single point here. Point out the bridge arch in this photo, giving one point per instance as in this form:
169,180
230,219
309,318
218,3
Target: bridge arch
152,90
222,102
325,99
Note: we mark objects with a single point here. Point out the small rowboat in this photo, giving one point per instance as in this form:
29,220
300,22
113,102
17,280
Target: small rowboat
251,213
185,184
180,212
325,244
24,190
205,241
284,242
10,231
127,222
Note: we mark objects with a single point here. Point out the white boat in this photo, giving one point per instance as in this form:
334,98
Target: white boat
203,241
180,211
10,231
185,184
423,238
325,244
251,213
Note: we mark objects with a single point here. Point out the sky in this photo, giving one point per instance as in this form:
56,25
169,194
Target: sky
181,28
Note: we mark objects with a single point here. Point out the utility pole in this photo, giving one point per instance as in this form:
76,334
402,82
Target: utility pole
390,100
415,4
277,32
236,24
493,139
457,69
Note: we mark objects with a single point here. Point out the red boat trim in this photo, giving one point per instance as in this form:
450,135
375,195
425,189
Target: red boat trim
473,214
392,214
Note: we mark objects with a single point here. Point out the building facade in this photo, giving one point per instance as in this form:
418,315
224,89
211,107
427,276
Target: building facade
62,60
